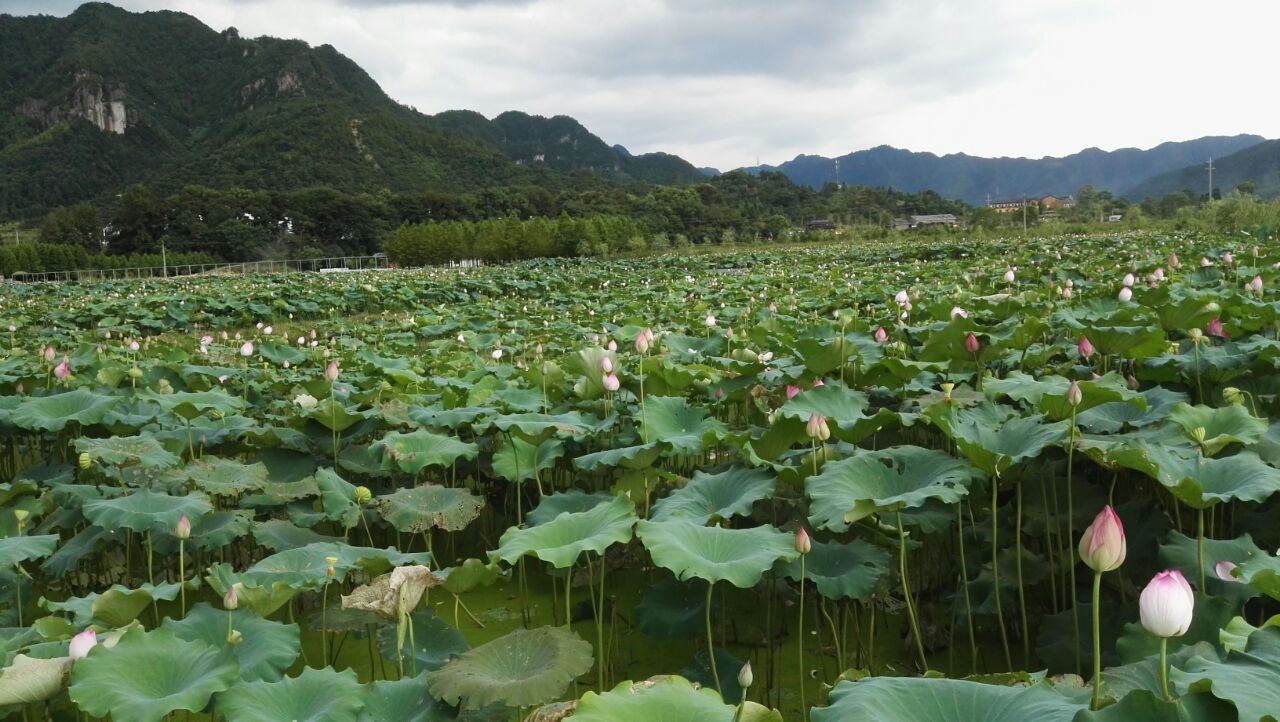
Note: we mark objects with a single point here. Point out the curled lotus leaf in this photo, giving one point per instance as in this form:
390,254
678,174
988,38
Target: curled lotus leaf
28,680
393,595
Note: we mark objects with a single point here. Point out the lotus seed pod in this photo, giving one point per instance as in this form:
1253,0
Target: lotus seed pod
85,460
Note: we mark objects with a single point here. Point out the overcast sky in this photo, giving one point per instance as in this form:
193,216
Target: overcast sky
722,83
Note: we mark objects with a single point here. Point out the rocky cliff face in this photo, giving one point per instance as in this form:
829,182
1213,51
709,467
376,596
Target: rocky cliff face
90,99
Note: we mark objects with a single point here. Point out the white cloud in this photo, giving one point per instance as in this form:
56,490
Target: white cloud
721,83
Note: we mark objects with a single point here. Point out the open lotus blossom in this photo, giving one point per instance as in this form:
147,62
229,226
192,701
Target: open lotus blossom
957,312
1205,263
610,382
1228,257
818,382
1085,348
1102,548
817,428
880,335
971,343
1167,605
765,357
82,643
246,349
62,370
1225,571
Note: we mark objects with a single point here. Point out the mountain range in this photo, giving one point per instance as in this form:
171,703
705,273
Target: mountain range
103,98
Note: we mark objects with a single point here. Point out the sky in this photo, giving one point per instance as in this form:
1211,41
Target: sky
723,84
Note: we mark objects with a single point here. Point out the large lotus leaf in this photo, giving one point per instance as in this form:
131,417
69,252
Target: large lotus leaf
306,568
415,451
214,530
562,540
536,427
626,457
1197,481
662,699
338,498
267,648
1111,417
523,668
146,510
280,535
1049,394
996,447
686,427
420,508
1222,426
404,700
518,460
1180,552
142,451
261,598
1250,680
729,493
838,404
1144,674
435,641
335,415
672,609
739,556
28,680
115,607
316,695
888,480
1142,706
191,404
217,476
840,570
16,549
147,675
574,500
1135,342
472,574
53,413
897,699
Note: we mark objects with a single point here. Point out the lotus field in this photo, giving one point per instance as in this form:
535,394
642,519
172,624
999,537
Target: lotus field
906,481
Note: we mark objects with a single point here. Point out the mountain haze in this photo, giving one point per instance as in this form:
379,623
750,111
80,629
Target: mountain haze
973,179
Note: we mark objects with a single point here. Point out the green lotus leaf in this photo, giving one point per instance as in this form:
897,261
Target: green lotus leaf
888,480
280,535
1144,674
115,607
335,415
404,700
306,568
217,476
893,699
536,427
739,556
338,497
842,570
1199,482
141,451
661,699
1134,342
147,675
261,598
574,500
266,649
1250,680
53,413
994,444
417,509
412,452
435,641
1111,417
518,460
726,494
214,530
686,427
1140,706
28,680
472,574
1180,552
315,695
192,404
627,457
1222,426
16,549
839,404
145,510
562,540
520,669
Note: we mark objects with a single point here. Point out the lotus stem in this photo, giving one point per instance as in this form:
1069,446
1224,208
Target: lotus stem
1097,642
906,592
1195,348
804,708
1200,545
1164,668
995,572
413,644
182,574
968,603
1071,550
1022,596
600,661
151,579
711,650
835,633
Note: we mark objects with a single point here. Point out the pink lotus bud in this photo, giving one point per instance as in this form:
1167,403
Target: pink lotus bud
1009,276
1085,348
1158,274
803,543
1167,605
1125,295
1128,280
711,321
818,382
331,372
1066,292
1228,258
817,428
266,330
62,370
612,346
1074,395
497,354
246,349
1173,260
1214,327
971,343
901,297
82,643
1256,284
133,346
881,335
49,354
719,393
606,364
183,530
792,391
642,343
1102,548
1226,571
611,383
231,600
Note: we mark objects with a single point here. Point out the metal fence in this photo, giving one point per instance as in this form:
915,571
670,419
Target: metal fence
336,264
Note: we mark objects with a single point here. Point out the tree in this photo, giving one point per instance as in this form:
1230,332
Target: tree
76,225
138,222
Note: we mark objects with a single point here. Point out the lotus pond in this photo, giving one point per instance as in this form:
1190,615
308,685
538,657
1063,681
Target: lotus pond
597,490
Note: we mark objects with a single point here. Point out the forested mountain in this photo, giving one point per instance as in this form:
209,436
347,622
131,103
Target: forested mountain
103,98
974,179
1255,169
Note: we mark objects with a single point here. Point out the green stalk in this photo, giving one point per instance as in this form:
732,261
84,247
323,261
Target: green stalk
1097,643
230,631
1022,596
1071,510
711,650
182,573
995,573
324,624
1164,668
804,708
1200,545
906,593
151,579
968,604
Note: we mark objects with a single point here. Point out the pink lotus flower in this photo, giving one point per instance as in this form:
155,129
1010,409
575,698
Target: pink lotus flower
1214,328
1074,395
1205,263
817,428
1085,348
612,345
1128,280
880,335
62,370
82,643
1227,257
1255,285
818,382
246,349
803,543
183,529
1167,605
1158,274
331,372
1102,548
606,364
956,311
1226,571
792,391
1125,295
971,343
133,346
610,382
49,354
711,321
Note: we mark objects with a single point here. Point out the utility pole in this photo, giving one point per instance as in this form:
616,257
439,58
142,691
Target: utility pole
164,258
1024,214
837,174
1210,178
